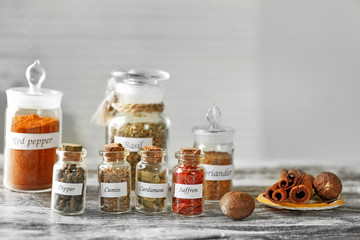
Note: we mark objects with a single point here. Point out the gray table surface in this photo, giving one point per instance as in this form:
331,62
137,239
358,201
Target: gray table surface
28,215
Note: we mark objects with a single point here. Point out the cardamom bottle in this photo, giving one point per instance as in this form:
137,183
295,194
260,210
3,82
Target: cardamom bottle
151,181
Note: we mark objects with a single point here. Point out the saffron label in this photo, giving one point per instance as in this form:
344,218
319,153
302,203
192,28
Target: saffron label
29,141
69,189
219,172
151,190
113,190
133,144
186,191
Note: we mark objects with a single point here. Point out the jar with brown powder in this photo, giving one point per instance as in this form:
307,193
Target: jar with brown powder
216,142
114,179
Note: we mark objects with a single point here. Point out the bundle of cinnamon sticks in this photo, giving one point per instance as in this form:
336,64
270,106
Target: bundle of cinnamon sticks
294,184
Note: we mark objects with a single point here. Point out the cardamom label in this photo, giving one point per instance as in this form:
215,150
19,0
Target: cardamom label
151,190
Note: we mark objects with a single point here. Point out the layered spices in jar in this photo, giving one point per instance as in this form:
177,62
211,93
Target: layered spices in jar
69,180
216,142
188,183
133,112
151,181
114,179
32,134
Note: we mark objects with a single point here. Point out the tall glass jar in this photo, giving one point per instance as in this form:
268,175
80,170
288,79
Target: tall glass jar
69,180
114,179
134,112
32,134
151,181
188,183
216,142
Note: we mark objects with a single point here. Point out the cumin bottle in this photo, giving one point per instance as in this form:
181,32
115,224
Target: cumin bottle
188,183
32,134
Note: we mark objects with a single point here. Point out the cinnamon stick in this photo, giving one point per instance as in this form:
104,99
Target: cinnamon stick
291,178
301,193
276,194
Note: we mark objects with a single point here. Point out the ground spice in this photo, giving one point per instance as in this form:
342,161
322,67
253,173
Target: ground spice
31,169
214,190
190,176
157,131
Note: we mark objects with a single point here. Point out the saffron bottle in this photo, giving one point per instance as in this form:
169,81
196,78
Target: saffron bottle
32,134
69,180
151,181
114,180
188,183
216,141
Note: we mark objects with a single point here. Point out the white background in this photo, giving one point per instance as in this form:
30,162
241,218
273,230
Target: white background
284,73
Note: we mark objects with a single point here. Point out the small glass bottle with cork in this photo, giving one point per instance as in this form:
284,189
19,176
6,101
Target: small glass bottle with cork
32,133
188,183
69,180
216,142
114,179
151,181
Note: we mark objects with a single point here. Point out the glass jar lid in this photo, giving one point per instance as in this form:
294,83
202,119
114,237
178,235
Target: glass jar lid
34,97
139,86
214,133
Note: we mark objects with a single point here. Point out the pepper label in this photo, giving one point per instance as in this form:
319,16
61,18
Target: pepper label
113,190
27,141
193,191
69,189
151,190
133,144
219,172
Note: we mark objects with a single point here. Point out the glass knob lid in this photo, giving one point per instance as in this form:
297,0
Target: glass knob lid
35,75
213,116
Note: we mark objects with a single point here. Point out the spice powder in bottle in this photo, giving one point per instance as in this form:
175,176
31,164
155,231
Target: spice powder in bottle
188,183
114,179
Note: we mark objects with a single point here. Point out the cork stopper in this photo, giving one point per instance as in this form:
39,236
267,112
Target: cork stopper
114,152
71,147
71,151
151,154
190,151
113,147
192,156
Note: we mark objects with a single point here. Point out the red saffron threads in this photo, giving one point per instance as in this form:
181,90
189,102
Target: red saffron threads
189,175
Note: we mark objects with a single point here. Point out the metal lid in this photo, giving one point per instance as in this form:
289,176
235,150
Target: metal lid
214,133
34,97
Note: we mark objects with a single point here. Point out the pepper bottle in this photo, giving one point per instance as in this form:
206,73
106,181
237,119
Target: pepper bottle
133,112
69,180
32,134
216,141
188,183
151,181
114,180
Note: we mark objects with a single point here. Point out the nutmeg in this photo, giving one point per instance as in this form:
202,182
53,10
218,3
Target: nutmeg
237,205
327,186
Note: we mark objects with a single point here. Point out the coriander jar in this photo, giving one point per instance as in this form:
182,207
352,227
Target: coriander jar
216,142
188,183
69,180
32,134
133,112
152,186
114,180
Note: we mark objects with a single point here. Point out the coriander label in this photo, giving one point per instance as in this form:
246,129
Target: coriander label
219,172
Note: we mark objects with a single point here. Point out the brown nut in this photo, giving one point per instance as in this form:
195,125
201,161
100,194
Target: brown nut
237,205
327,186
